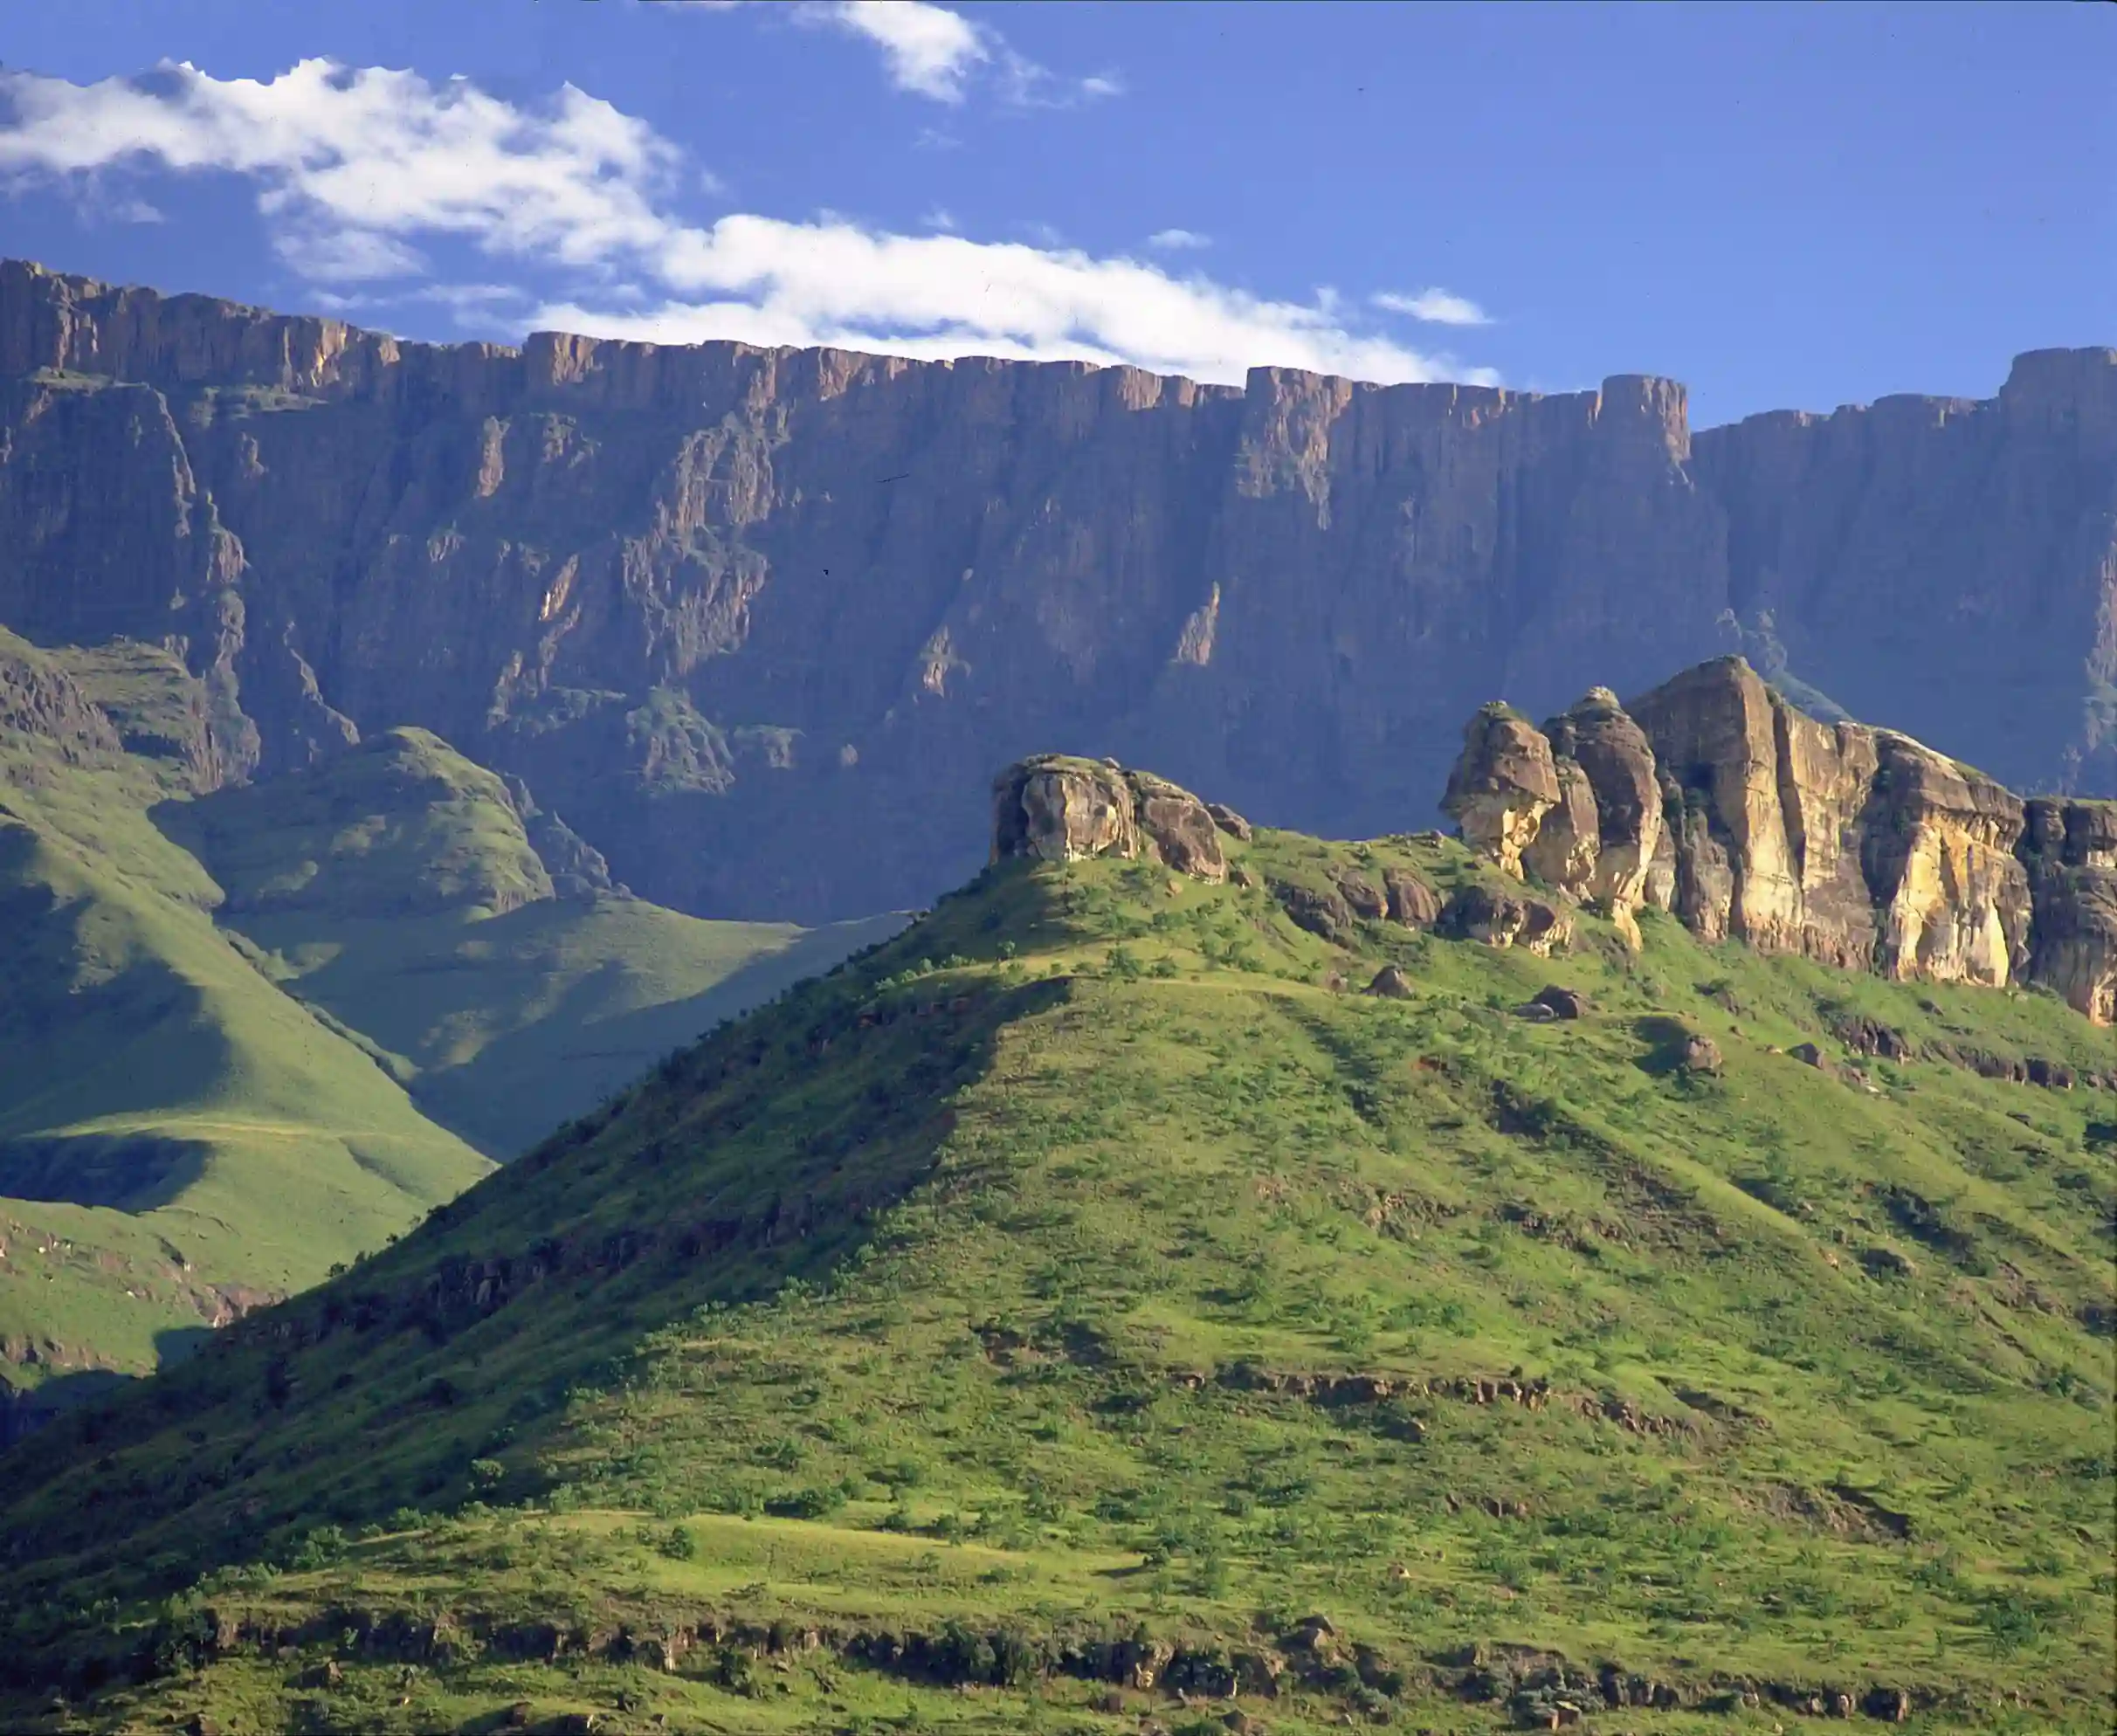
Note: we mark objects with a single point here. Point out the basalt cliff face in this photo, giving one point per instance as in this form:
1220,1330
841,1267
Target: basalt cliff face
749,620
1715,799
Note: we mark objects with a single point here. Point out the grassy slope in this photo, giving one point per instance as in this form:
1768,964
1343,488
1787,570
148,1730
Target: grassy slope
226,1143
206,1113
504,1027
968,1285
394,890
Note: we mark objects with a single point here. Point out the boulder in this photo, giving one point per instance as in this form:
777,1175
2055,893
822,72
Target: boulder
1477,912
1565,1003
1700,1055
1323,914
1503,784
1391,983
1411,901
1361,894
1229,821
1866,1035
1054,809
1177,827
1545,928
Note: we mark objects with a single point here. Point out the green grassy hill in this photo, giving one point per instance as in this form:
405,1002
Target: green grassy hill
1089,1312
396,892
245,1038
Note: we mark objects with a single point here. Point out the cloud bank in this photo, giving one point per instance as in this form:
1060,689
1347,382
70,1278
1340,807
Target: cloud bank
358,172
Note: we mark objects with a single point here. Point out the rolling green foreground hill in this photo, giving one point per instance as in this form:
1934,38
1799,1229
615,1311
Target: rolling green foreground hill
1088,1312
245,1036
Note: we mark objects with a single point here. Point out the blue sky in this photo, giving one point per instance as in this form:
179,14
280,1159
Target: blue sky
1780,206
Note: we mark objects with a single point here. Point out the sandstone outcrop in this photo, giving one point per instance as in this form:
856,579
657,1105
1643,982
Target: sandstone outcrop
2070,849
1057,809
1502,786
1411,901
725,607
1714,797
1611,754
1477,912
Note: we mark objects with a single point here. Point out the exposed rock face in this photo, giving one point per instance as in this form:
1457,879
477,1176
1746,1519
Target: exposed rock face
1611,753
1178,827
1568,843
1324,914
40,700
2070,851
1055,809
1476,913
724,607
1502,786
1058,809
1411,901
1851,844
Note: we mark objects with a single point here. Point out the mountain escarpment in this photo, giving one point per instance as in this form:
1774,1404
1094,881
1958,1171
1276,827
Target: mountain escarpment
1715,799
726,608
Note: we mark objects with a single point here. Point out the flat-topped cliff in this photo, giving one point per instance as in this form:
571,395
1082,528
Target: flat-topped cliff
728,609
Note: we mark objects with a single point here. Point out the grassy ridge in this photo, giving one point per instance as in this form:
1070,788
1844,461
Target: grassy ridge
1088,1269
246,1037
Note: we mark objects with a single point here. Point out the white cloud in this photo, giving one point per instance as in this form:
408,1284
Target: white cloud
1177,241
360,173
934,53
1436,306
929,50
349,162
941,217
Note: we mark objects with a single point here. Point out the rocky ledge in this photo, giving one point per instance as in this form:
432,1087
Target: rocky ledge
1714,799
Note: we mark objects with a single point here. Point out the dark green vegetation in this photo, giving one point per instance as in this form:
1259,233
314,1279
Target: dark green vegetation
1086,1309
245,1036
